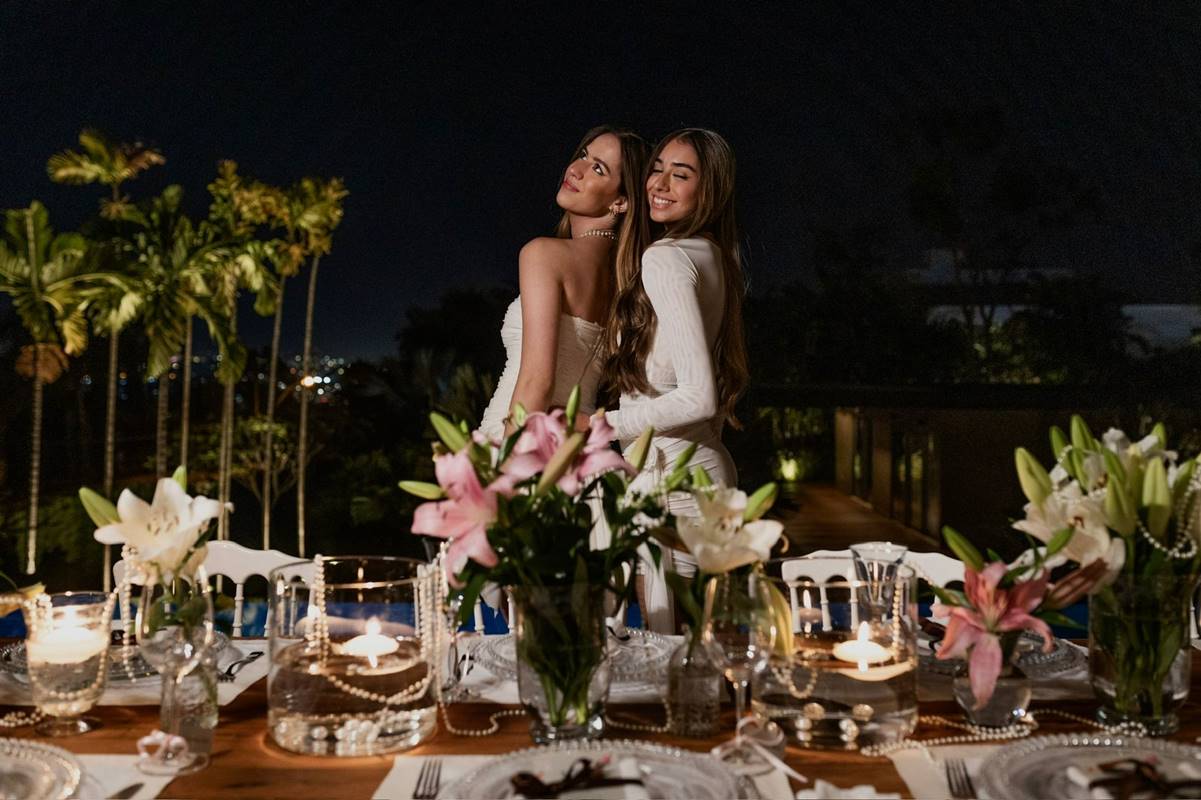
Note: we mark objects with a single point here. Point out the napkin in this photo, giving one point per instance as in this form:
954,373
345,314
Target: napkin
923,772
105,775
148,691
401,780
827,791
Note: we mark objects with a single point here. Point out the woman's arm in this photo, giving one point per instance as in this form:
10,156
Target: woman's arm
541,305
672,284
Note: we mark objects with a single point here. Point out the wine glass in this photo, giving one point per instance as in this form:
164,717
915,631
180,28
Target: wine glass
876,564
739,629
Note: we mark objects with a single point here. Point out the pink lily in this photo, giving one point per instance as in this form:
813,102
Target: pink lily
464,517
540,438
991,611
598,457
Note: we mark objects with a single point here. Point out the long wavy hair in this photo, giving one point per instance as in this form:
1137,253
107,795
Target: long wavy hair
634,152
632,323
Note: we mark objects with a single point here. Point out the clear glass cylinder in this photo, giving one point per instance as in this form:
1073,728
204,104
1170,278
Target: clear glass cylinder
1007,706
694,683
562,659
354,655
847,676
1138,654
66,649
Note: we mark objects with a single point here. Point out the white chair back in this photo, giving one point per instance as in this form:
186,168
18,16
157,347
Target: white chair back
239,563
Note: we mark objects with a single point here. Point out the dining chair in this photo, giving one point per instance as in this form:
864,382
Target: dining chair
239,564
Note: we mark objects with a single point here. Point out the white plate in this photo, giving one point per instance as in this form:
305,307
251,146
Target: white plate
642,657
37,771
1037,767
12,661
667,772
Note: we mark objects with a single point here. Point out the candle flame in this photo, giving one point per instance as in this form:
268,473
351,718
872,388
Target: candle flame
373,626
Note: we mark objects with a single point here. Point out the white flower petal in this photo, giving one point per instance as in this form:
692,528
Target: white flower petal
131,508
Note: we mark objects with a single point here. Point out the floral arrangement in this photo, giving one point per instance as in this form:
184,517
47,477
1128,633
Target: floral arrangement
1000,601
1134,507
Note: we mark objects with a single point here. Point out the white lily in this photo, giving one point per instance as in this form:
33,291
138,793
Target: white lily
719,539
162,534
1067,507
1145,448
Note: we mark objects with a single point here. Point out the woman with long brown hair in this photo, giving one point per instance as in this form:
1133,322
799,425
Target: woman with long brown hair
552,330
674,347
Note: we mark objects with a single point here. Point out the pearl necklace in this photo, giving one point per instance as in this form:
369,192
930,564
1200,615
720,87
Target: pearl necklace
607,233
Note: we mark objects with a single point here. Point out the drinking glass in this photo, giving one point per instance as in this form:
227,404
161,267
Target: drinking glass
66,648
876,563
739,629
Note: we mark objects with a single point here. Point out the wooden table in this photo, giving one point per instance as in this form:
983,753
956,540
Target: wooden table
246,764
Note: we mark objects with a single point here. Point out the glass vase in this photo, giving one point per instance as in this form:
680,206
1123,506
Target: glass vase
694,684
175,635
562,661
1007,706
1138,654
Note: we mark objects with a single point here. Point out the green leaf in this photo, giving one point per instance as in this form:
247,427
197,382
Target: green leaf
1118,513
964,549
684,458
1058,618
1036,483
99,508
760,502
450,435
1113,466
949,597
426,491
1059,540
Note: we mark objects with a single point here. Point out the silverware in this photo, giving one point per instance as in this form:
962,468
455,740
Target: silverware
128,792
231,672
429,779
958,779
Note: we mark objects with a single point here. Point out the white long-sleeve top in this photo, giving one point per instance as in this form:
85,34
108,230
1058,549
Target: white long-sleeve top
685,284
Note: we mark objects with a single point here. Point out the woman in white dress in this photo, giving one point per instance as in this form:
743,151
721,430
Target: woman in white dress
551,332
674,346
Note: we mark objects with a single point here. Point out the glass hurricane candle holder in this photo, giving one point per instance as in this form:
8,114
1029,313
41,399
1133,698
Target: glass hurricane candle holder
848,677
354,644
66,648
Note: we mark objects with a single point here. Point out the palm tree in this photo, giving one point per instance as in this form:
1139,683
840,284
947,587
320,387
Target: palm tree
326,197
47,279
110,164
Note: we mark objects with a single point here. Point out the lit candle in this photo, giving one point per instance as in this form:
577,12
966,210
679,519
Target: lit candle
371,644
68,643
807,614
861,650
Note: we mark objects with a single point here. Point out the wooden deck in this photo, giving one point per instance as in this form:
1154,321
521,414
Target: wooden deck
819,517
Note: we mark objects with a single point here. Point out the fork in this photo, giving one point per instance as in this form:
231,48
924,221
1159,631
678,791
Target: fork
230,673
428,780
958,779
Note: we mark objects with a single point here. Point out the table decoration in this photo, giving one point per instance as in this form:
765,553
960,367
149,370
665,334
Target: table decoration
551,513
37,771
642,656
727,537
66,645
1076,765
164,545
1132,507
354,655
847,678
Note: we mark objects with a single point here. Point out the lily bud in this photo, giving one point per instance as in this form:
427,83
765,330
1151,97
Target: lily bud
1036,483
1113,465
1059,442
100,509
573,405
561,461
180,476
1118,512
454,439
700,478
1160,432
518,415
1156,498
426,491
1082,437
759,503
641,447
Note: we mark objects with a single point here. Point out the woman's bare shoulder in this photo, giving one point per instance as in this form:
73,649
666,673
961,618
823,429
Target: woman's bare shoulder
546,251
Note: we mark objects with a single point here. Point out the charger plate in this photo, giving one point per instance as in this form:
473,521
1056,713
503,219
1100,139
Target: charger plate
642,657
37,771
1036,768
666,772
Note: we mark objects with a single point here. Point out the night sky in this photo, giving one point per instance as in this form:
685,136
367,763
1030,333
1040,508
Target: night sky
451,123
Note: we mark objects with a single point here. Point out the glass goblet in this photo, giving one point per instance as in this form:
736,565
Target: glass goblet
66,648
739,631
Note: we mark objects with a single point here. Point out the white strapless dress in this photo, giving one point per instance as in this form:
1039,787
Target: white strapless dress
576,362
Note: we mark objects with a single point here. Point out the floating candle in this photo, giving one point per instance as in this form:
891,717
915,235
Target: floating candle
861,650
371,644
65,645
